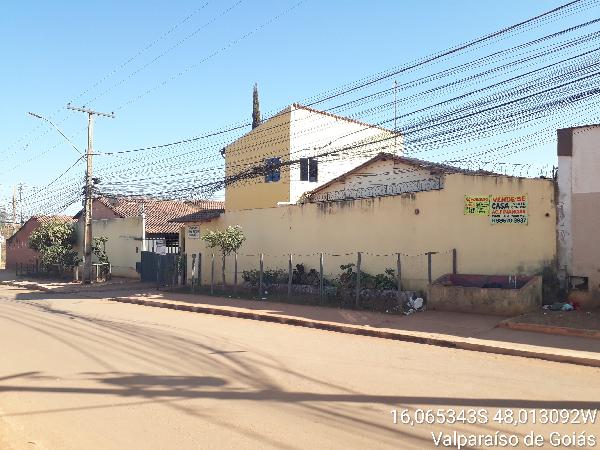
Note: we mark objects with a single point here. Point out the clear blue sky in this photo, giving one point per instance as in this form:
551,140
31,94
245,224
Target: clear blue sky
54,51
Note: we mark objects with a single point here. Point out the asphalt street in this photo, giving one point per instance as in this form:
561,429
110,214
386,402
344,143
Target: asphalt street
82,373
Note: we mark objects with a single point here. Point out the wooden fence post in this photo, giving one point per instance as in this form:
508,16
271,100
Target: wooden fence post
454,270
321,278
429,254
235,272
260,277
399,272
199,270
358,261
290,275
212,273
429,267
193,281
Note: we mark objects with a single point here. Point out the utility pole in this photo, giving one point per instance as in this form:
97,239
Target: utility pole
21,202
87,233
395,112
14,209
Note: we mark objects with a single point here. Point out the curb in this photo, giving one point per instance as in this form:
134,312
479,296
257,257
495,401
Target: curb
550,329
26,285
462,344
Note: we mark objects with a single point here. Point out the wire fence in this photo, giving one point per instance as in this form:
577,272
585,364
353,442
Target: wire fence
377,281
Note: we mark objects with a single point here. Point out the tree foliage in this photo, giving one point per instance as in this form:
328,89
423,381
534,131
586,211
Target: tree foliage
55,241
228,241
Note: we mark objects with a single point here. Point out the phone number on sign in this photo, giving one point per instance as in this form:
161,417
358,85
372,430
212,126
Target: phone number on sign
501,416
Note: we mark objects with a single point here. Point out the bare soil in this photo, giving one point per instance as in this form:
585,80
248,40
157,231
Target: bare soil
582,320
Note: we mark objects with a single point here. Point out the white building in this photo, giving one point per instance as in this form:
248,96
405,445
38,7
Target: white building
578,207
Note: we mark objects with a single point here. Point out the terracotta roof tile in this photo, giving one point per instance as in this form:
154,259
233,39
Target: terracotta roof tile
199,216
48,219
159,213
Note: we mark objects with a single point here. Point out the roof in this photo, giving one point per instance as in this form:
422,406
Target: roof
428,165
591,125
48,219
159,213
199,216
43,220
293,106
347,119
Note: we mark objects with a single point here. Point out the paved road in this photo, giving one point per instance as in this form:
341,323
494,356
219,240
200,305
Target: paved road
79,373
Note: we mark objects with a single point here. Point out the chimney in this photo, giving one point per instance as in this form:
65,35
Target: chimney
255,108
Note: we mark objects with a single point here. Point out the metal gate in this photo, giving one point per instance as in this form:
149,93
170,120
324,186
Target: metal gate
159,269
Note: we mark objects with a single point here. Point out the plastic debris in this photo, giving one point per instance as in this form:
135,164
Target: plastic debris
562,306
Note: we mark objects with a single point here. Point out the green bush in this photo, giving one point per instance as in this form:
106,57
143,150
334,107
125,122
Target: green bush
279,276
55,241
273,276
381,281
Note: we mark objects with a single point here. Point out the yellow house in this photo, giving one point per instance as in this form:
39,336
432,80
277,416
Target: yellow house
387,207
298,150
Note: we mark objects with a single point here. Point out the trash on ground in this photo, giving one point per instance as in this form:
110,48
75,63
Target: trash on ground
562,306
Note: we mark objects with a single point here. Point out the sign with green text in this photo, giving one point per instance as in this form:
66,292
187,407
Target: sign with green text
477,205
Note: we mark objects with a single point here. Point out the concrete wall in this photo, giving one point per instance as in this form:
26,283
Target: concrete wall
124,244
579,210
410,223
502,302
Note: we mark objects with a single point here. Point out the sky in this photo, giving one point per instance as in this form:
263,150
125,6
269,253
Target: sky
177,69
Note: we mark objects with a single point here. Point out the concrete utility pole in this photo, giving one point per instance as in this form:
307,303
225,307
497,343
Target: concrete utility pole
14,209
87,233
395,113
21,202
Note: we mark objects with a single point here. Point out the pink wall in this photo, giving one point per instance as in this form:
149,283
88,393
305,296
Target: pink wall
17,251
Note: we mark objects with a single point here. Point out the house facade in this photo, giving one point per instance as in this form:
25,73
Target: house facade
133,225
579,212
392,207
298,150
17,250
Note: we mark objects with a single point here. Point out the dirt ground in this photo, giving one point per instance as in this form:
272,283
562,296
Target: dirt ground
585,320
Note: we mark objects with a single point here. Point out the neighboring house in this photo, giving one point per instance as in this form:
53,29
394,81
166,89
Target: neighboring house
133,225
17,250
389,204
578,207
383,175
296,151
157,213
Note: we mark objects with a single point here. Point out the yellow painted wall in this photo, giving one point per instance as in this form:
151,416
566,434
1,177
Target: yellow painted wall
124,237
297,133
270,139
387,225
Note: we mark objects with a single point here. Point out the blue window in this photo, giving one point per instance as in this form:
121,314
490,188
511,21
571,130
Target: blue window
272,170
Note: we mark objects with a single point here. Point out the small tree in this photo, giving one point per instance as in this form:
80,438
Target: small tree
99,251
228,241
55,241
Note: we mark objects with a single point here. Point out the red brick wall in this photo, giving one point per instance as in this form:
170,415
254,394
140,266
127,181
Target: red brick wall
17,251
100,211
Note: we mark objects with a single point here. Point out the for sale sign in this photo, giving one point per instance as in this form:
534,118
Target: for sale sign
508,209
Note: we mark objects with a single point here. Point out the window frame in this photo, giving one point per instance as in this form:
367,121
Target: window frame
272,169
